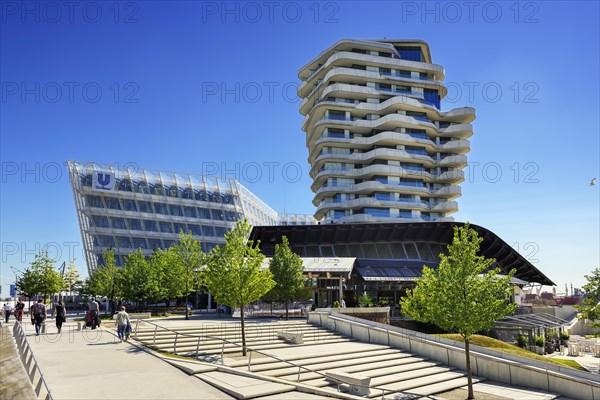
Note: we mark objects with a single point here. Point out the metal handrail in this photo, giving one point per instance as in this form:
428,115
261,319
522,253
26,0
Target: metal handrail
250,350
23,346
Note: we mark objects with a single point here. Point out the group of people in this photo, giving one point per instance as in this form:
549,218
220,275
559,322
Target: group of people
39,314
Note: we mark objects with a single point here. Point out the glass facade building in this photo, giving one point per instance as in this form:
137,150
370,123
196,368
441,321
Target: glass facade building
126,209
380,147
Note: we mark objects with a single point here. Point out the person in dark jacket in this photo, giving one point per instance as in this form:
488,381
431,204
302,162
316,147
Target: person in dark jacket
61,315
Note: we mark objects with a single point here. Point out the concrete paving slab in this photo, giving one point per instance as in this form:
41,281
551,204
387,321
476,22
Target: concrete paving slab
512,392
14,382
242,387
294,396
94,364
190,367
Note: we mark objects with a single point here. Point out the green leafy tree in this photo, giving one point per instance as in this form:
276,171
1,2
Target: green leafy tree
233,273
71,278
288,274
47,277
141,279
590,305
365,300
27,284
464,294
191,258
171,273
106,279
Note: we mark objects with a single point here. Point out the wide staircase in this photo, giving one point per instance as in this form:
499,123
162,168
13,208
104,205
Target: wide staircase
316,362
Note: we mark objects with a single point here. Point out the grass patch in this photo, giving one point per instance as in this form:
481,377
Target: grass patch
499,345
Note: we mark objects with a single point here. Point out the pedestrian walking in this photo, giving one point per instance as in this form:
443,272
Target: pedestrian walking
93,308
39,315
61,314
19,310
7,311
122,323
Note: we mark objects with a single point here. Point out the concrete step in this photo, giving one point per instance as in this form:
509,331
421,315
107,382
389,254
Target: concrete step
308,358
342,359
441,387
367,369
406,384
191,350
163,339
242,387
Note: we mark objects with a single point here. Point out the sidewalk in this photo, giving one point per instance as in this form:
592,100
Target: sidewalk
93,364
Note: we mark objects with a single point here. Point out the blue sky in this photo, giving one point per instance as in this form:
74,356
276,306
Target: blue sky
198,86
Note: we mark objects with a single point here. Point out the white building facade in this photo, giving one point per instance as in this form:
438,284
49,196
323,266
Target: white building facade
126,209
380,148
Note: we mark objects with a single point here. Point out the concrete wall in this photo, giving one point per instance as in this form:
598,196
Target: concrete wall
495,365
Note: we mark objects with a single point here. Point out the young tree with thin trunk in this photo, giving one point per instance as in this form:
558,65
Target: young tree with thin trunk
71,278
48,279
233,273
590,305
141,279
106,279
465,294
288,274
191,258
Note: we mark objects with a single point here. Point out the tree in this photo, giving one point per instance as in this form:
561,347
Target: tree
172,274
106,279
141,279
47,278
464,294
71,278
192,258
27,284
233,273
288,274
590,305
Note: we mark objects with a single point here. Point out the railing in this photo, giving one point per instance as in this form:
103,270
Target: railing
29,361
301,368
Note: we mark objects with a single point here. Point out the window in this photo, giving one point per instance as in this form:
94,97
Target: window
118,223
106,241
208,230
141,187
204,213
124,185
180,228
94,201
123,242
230,216
150,226
134,224
411,251
188,193
220,231
165,227
154,244
161,208
145,206
189,212
113,203
176,211
139,243
129,205
100,221
195,229
169,243
218,215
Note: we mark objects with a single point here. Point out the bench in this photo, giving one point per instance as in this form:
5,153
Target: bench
134,316
292,337
357,384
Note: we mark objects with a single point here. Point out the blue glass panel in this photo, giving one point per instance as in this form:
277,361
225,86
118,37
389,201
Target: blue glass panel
134,224
161,208
410,53
218,215
230,216
100,221
188,193
176,211
169,243
150,226
165,227
204,213
139,243
106,241
141,187
99,259
117,223
220,231
129,205
189,212
86,180
145,206
208,230
124,185
94,201
123,242
113,203
180,228
201,195
195,229
154,244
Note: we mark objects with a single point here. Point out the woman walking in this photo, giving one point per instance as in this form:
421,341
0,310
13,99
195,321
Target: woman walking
61,314
122,322
19,310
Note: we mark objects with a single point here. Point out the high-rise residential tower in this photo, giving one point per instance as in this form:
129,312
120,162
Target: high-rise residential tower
380,147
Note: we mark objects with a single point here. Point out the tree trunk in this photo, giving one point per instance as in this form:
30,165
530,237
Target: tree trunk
243,331
286,311
469,374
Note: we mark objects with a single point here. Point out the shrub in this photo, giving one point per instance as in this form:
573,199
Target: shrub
336,304
521,341
365,300
539,341
564,336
